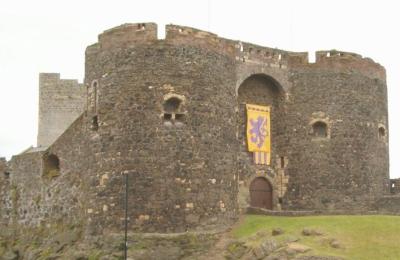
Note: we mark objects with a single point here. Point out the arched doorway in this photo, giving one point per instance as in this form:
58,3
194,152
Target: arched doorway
261,193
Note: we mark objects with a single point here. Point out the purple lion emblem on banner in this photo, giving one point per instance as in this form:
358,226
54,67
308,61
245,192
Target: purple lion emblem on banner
258,131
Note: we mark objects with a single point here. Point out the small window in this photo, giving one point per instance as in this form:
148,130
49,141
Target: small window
93,96
95,123
172,105
51,166
393,187
320,129
381,132
167,117
179,117
173,114
282,162
6,175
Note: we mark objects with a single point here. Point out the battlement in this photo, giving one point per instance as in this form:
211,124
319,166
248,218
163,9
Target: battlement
61,101
327,60
48,76
54,80
348,61
273,57
182,35
131,34
127,35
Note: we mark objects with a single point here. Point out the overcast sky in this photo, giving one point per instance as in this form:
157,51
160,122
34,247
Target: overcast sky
51,36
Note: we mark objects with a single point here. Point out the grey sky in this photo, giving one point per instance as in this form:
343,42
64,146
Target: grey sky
51,36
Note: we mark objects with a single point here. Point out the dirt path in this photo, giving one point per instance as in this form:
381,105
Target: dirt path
216,253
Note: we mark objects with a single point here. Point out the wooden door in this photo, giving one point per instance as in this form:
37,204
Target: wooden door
261,193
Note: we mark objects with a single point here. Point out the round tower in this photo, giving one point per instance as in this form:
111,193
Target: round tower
163,112
337,125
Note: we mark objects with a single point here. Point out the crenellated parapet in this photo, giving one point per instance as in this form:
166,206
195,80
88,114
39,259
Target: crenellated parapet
328,60
182,35
349,62
133,34
61,101
127,35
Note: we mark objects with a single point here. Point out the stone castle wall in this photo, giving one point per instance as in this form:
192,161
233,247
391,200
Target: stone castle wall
350,166
179,162
39,197
343,90
170,114
61,101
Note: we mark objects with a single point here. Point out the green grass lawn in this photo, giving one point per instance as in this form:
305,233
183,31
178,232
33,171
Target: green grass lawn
361,237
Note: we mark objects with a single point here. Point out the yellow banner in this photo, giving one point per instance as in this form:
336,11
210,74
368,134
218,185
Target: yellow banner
258,128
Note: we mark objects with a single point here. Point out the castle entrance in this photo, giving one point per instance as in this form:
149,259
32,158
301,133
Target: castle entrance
261,193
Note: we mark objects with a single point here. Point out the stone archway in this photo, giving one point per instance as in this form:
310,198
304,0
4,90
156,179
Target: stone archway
263,90
261,193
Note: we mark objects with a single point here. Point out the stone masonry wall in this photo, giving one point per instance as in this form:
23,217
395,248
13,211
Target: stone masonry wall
349,167
37,199
313,165
186,160
388,204
61,101
182,172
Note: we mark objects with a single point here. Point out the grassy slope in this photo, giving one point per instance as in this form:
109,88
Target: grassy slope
362,237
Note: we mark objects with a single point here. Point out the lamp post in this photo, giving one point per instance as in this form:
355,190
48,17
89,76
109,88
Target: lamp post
126,216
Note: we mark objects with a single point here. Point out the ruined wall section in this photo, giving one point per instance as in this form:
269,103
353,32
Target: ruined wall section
181,170
39,198
26,189
61,101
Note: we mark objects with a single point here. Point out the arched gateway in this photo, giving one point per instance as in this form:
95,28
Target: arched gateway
261,193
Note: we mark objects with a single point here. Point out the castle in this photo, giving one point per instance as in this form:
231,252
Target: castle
170,113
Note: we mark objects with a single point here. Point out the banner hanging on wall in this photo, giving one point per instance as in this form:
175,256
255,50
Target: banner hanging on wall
258,132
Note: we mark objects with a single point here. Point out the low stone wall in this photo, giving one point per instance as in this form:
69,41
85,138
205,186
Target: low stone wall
293,213
69,242
389,204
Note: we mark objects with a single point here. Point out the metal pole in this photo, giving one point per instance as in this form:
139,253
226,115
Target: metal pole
126,216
